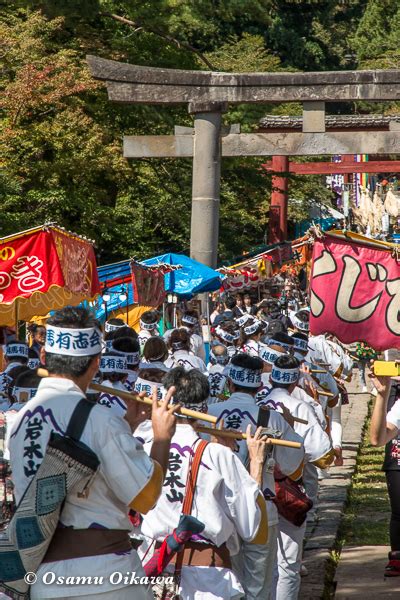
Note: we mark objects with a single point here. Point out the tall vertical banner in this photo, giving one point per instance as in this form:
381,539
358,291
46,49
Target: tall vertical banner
355,292
148,285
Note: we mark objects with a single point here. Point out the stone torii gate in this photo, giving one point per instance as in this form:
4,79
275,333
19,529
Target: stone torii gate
208,95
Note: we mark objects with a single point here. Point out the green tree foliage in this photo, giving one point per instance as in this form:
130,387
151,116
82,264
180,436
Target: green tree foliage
61,156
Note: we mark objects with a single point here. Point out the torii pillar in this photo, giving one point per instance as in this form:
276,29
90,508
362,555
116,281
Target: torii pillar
278,209
206,181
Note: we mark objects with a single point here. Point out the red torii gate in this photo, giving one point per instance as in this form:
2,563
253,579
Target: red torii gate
348,166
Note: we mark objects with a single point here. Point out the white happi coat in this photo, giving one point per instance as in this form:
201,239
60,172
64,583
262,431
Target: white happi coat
331,353
323,381
124,471
321,351
266,387
316,407
237,413
112,400
316,441
250,348
186,360
10,417
197,346
241,410
4,401
224,500
217,382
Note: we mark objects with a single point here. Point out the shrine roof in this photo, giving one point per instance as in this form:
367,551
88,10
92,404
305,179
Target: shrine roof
331,121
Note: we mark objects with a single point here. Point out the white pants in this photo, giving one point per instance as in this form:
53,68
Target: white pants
287,574
254,566
310,482
336,424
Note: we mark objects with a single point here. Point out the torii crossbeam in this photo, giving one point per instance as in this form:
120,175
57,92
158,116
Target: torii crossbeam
208,94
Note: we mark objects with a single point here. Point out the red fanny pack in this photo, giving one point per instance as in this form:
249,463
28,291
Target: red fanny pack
290,499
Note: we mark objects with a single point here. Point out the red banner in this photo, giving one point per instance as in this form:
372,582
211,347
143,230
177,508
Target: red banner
78,264
355,293
148,285
36,261
28,264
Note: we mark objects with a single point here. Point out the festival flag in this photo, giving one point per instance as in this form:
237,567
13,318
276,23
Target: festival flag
355,291
148,285
44,269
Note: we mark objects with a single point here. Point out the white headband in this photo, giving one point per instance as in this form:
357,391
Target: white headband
15,349
267,354
113,364
300,324
286,376
73,342
109,327
283,344
243,319
33,363
189,319
142,385
132,358
243,377
227,337
251,328
147,326
300,344
22,394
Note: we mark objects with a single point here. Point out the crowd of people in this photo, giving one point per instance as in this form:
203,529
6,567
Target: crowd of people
249,500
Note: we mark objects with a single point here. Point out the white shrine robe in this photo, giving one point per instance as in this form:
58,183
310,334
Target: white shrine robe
111,400
125,469
225,501
217,381
316,441
186,360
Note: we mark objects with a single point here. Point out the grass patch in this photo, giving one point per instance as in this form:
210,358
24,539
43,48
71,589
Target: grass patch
366,519
367,513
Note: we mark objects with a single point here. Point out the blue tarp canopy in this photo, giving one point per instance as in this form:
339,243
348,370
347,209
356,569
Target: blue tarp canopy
192,279
107,273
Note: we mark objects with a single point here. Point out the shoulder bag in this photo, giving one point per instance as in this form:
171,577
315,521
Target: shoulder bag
68,467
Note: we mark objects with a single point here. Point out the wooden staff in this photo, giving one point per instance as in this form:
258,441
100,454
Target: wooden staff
298,420
239,435
183,411
325,393
129,396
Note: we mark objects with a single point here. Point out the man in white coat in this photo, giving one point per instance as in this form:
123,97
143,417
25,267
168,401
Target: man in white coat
317,445
127,476
227,500
255,563
16,354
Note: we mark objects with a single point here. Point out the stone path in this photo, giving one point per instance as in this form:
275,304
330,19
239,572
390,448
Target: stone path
360,574
321,534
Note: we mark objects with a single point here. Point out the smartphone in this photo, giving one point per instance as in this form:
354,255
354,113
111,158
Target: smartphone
387,368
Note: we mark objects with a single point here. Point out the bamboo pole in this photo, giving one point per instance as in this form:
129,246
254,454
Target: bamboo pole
298,420
129,396
239,435
325,393
186,412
